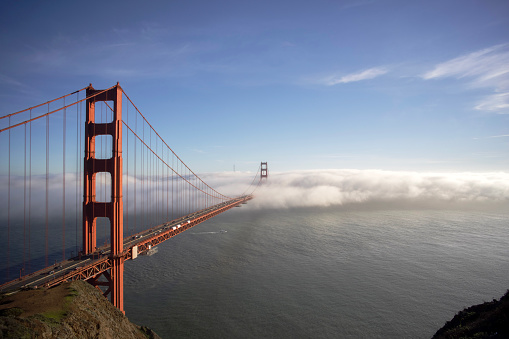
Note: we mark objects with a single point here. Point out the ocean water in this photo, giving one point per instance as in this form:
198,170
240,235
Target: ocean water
320,273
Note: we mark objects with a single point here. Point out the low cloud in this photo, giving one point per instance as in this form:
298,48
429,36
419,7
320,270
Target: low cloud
317,188
24,196
364,187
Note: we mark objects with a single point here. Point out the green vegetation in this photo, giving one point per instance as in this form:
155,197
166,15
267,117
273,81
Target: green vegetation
69,297
70,310
54,316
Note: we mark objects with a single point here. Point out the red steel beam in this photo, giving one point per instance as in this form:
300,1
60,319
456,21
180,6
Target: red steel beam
94,270
112,210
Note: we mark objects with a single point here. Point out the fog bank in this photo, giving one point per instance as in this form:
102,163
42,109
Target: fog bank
343,187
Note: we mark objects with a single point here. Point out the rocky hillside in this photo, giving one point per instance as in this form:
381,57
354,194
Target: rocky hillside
487,320
71,310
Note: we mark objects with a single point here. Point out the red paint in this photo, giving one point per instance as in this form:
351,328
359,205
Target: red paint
112,210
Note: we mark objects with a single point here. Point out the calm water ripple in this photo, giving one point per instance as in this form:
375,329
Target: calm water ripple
320,273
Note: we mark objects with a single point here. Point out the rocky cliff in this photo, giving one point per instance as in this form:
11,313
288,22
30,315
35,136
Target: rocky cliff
71,310
487,320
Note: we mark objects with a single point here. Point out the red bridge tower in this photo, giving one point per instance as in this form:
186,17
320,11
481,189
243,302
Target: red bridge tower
264,173
112,210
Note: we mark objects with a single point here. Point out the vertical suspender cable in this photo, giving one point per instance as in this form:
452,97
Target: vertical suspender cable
183,189
142,186
135,166
155,182
159,187
9,204
77,172
103,155
63,185
81,170
167,182
172,181
190,191
147,187
149,182
186,190
30,198
179,190
150,177
127,171
190,188
24,200
47,186
153,196
143,199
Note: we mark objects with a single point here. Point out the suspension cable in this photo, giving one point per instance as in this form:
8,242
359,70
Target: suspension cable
174,171
49,113
168,145
254,178
47,102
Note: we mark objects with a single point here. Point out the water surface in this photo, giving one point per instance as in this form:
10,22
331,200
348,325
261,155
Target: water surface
320,272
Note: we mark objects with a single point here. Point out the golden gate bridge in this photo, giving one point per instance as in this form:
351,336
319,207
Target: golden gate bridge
137,192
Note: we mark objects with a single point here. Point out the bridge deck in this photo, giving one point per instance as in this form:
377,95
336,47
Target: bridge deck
91,266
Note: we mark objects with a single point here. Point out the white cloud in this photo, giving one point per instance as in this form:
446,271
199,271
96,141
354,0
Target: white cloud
364,187
498,103
481,63
495,136
316,188
487,68
353,77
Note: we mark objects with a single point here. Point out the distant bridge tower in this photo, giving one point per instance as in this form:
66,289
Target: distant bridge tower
112,210
264,173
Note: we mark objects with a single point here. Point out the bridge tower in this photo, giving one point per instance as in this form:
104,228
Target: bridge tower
112,210
264,173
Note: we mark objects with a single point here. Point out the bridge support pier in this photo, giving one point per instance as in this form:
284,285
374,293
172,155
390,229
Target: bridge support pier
112,210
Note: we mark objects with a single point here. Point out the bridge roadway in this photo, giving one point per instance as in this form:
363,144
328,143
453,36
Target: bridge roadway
90,266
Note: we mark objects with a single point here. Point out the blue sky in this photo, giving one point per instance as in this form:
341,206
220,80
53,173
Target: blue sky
391,85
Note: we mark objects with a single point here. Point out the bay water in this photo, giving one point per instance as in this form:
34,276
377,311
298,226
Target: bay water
323,272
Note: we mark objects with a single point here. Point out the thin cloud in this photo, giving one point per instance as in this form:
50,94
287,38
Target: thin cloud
498,103
333,156
494,136
367,74
486,68
19,86
146,52
11,81
485,63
